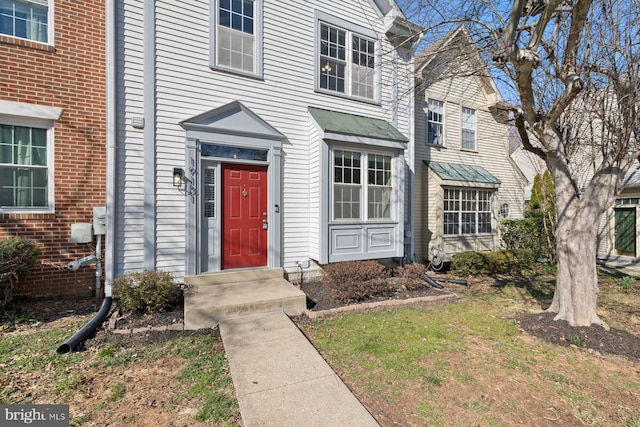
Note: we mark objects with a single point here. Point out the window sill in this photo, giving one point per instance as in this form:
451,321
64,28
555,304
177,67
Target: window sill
345,96
24,214
239,73
469,150
15,41
349,222
457,236
435,145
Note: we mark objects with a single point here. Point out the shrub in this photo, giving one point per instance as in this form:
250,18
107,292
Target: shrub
527,233
354,281
18,256
414,272
149,291
490,263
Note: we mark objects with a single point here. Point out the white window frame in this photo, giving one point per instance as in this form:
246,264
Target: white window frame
363,186
468,126
475,207
431,121
49,4
350,30
48,126
214,39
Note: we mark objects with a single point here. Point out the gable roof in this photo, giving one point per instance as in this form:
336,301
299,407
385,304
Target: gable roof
438,56
232,118
395,21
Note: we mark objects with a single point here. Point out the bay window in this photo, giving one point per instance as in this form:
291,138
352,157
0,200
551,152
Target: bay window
351,192
467,211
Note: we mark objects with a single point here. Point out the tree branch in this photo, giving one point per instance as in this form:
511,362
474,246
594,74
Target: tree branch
524,137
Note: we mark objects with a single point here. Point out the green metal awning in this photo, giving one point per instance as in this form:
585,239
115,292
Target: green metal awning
462,173
334,123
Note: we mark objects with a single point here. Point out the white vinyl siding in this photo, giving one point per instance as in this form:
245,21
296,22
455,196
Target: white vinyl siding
26,19
186,86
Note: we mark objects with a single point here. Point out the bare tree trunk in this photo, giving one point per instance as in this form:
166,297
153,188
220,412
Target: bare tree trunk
576,295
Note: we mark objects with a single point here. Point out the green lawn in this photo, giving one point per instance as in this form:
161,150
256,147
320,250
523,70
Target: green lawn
468,363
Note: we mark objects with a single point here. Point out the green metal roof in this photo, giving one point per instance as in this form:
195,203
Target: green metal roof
350,124
465,173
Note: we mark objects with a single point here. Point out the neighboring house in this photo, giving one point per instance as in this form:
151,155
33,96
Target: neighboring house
465,183
52,133
251,133
619,232
531,165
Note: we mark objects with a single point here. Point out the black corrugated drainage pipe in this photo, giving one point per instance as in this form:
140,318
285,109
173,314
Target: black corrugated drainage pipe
79,336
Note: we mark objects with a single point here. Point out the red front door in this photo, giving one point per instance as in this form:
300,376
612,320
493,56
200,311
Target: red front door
244,216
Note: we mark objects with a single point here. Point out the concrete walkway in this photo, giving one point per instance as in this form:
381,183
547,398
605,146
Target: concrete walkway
280,378
625,264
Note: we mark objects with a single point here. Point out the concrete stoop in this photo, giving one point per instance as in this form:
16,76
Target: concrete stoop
211,298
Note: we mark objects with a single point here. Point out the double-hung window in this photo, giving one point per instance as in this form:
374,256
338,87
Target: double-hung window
351,193
468,129
467,211
237,36
346,63
25,19
435,122
25,170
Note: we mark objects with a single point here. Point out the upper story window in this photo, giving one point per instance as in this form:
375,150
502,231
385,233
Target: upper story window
435,122
236,45
467,211
468,129
25,19
351,192
25,168
346,62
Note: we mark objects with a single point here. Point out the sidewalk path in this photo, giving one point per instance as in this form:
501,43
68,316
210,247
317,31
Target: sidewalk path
280,378
626,264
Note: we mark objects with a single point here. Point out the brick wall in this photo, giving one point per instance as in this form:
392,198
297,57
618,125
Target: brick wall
69,75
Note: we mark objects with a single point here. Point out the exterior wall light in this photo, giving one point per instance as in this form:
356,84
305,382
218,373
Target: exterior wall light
178,177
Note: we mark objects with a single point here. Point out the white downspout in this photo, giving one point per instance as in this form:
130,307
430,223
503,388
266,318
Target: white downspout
111,172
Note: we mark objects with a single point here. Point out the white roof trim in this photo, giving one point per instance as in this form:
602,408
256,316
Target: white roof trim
22,109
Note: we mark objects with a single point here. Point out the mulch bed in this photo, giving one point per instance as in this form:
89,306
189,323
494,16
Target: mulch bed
594,338
319,297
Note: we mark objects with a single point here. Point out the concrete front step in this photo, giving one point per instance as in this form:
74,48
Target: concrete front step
211,298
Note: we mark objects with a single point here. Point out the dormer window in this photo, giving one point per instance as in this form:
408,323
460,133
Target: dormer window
346,62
